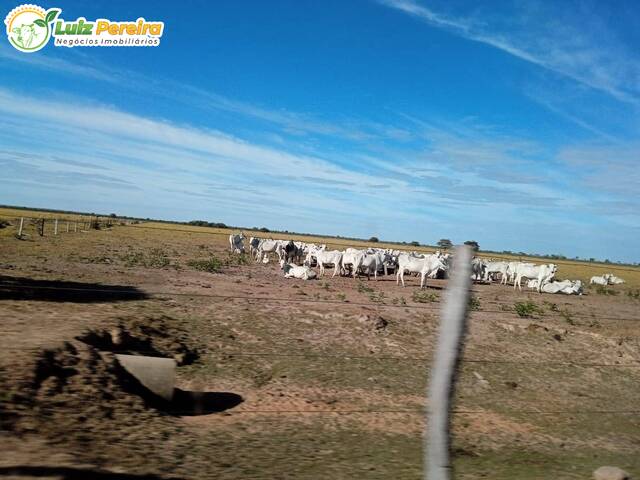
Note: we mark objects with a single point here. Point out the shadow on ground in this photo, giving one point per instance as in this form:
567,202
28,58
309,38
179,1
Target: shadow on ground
191,404
20,288
70,473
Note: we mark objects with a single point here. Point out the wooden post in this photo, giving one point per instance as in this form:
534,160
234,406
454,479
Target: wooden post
75,227
41,227
437,465
67,226
20,227
55,226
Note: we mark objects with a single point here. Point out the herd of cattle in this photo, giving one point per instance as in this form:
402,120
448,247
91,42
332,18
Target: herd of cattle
297,258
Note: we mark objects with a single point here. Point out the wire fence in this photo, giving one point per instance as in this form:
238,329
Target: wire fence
65,226
112,221
134,291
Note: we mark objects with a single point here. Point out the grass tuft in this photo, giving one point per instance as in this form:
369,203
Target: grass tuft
424,297
527,309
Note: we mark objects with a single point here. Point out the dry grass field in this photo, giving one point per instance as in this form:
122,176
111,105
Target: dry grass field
281,378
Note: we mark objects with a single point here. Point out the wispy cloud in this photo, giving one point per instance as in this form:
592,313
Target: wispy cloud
565,47
291,123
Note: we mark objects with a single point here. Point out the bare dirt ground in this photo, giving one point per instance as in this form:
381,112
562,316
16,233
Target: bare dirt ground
282,378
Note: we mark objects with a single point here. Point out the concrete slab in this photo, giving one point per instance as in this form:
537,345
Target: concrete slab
155,373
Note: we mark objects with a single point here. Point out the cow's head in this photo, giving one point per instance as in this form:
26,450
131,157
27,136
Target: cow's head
26,34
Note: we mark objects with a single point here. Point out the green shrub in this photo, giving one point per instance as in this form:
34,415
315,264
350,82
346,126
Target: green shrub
568,317
424,297
474,303
157,258
527,309
634,294
603,290
362,288
211,265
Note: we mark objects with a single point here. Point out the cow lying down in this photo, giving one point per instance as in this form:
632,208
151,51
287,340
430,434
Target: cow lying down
295,271
569,287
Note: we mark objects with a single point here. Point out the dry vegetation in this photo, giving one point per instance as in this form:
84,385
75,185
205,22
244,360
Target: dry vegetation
332,373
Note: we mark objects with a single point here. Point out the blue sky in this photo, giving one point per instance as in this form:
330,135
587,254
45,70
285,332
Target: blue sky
515,124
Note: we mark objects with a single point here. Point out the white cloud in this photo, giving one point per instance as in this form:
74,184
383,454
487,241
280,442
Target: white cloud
595,59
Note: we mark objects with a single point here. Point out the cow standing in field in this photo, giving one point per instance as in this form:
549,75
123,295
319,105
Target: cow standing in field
351,261
426,267
235,243
265,248
254,243
373,262
332,257
544,274
493,268
478,267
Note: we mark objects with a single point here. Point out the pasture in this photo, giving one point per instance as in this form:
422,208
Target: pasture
332,373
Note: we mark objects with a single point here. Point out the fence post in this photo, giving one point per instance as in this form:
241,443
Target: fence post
55,226
437,465
67,226
20,227
75,227
41,227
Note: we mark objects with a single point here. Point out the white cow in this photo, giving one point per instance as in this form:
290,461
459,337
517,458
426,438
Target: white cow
352,259
372,262
266,247
599,280
511,272
568,287
495,267
295,271
544,274
235,243
478,267
613,280
426,267
332,257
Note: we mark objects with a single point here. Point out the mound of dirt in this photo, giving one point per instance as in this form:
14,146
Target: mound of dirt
147,336
79,397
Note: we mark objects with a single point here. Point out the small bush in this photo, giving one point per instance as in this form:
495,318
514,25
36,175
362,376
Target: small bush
236,259
424,297
377,297
602,290
568,317
527,309
211,265
474,303
133,259
362,288
215,265
157,258
634,294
